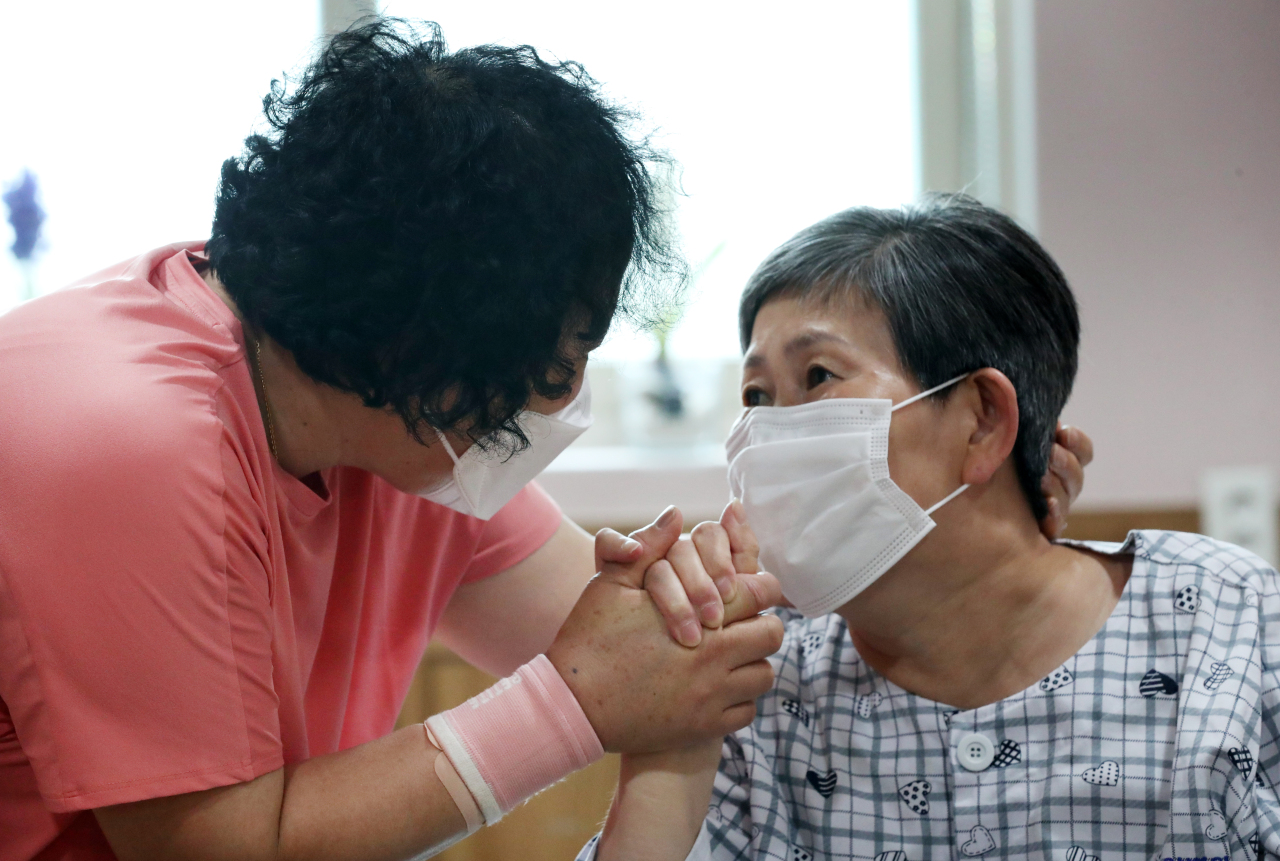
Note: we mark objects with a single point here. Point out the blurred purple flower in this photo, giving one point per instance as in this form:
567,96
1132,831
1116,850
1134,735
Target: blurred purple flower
25,215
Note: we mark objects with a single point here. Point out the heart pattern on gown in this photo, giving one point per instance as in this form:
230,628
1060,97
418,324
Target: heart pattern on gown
980,842
1156,682
916,796
824,783
1106,773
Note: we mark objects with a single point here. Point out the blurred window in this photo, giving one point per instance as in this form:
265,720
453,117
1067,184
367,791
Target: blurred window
125,112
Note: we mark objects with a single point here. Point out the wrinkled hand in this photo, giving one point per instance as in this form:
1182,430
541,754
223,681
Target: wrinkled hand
1072,452
642,691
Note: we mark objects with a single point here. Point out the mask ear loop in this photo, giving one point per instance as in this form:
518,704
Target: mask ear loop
922,395
457,463
959,490
447,447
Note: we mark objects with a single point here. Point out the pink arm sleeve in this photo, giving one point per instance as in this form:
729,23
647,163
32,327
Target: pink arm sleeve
517,738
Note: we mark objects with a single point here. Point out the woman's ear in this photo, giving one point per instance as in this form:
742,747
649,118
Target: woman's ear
996,412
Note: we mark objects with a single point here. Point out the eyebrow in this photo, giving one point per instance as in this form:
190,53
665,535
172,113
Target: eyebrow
797,344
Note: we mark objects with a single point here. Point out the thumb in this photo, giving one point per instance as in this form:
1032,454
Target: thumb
654,540
755,594
742,539
613,546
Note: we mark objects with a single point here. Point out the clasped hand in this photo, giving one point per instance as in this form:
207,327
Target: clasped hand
641,689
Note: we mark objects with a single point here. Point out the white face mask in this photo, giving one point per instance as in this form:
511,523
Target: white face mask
814,480
484,481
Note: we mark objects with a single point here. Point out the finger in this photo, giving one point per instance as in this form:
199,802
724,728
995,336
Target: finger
716,549
1054,492
1056,519
690,566
668,593
1067,468
613,546
742,539
736,717
754,594
751,640
750,682
1077,442
655,540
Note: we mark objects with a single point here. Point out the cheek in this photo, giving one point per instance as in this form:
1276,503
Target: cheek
918,458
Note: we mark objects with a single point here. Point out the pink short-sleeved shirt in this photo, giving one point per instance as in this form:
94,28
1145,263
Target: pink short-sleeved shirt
176,611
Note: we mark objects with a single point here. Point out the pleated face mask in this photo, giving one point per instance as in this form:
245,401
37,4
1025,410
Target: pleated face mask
814,480
484,481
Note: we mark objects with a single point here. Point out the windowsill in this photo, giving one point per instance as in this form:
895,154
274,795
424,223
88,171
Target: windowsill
628,486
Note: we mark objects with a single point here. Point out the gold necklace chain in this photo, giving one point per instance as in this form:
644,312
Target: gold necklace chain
266,403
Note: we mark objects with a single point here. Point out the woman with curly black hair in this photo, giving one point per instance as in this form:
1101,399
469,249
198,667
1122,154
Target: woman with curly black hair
218,572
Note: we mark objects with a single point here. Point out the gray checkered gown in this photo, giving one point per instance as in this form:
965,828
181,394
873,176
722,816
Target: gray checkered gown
1158,739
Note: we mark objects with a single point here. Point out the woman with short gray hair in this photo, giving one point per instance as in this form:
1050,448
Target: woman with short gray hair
954,683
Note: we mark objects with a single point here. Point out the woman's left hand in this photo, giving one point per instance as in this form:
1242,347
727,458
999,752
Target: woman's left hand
1072,452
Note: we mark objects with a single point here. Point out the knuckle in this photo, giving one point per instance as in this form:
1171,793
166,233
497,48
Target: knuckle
749,599
657,571
707,529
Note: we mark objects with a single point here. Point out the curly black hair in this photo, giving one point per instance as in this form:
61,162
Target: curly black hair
442,233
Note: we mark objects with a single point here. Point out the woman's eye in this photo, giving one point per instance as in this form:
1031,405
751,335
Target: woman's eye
816,376
753,398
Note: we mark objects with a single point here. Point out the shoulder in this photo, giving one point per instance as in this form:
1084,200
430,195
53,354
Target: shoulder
114,377
116,416
1205,558
1189,558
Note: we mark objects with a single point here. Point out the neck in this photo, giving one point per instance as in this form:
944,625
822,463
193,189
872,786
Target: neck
961,619
302,415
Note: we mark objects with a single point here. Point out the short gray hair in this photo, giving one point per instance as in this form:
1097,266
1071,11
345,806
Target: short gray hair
962,287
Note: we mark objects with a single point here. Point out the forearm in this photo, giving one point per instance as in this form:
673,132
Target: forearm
660,805
381,800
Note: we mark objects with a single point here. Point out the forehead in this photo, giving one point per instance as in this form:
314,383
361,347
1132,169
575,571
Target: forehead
791,324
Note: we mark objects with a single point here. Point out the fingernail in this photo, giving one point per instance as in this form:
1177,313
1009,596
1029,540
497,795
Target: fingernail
737,509
690,633
667,516
710,613
725,586
630,545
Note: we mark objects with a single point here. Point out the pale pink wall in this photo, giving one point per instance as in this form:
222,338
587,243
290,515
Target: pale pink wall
1159,160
